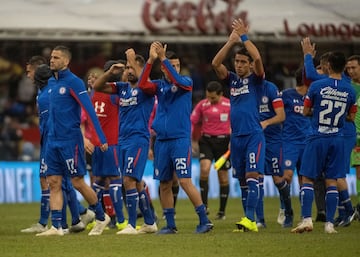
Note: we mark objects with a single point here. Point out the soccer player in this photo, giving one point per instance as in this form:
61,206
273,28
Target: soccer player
105,165
329,102
212,115
272,114
134,135
345,208
247,142
311,74
65,149
41,226
353,69
295,129
173,140
39,73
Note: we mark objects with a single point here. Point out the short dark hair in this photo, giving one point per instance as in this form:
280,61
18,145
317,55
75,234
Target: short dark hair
299,76
140,60
214,86
355,57
337,61
325,57
64,50
244,51
171,55
37,60
42,75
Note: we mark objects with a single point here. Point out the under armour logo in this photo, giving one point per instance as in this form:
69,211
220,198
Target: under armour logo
99,107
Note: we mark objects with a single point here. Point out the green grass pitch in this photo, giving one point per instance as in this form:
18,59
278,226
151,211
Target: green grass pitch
221,242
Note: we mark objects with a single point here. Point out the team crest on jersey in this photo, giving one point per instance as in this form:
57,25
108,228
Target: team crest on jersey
174,88
245,81
134,92
265,99
288,163
62,90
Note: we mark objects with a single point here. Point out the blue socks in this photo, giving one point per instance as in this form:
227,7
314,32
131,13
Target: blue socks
331,201
252,198
307,197
115,189
144,206
170,217
132,199
44,207
260,203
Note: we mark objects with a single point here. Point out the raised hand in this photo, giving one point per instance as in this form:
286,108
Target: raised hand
130,54
117,68
152,52
160,49
308,47
240,27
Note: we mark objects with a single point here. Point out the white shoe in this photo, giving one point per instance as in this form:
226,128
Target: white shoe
35,228
52,232
329,228
99,226
129,230
87,217
77,227
146,228
281,216
305,225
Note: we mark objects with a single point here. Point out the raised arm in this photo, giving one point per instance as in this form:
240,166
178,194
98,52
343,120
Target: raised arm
309,52
144,83
241,29
217,63
101,84
171,68
131,58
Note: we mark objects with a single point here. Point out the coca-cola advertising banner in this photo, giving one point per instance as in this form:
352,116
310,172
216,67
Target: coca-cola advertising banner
176,20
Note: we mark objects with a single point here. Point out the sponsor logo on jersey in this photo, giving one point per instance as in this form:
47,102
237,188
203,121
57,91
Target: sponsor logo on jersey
334,94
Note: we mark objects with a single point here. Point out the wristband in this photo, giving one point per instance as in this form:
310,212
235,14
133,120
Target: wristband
244,37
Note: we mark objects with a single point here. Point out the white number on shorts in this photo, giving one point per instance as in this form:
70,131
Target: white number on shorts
252,160
70,163
275,165
130,163
180,165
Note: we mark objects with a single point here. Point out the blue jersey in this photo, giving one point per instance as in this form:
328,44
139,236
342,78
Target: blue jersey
310,70
43,111
331,100
244,101
270,99
311,73
172,119
135,110
296,126
68,95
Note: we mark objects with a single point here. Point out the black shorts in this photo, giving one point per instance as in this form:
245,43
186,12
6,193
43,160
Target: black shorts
213,147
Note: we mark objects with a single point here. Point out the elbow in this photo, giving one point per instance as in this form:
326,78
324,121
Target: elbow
215,63
282,118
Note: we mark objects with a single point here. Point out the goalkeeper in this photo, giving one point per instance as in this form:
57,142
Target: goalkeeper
212,116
